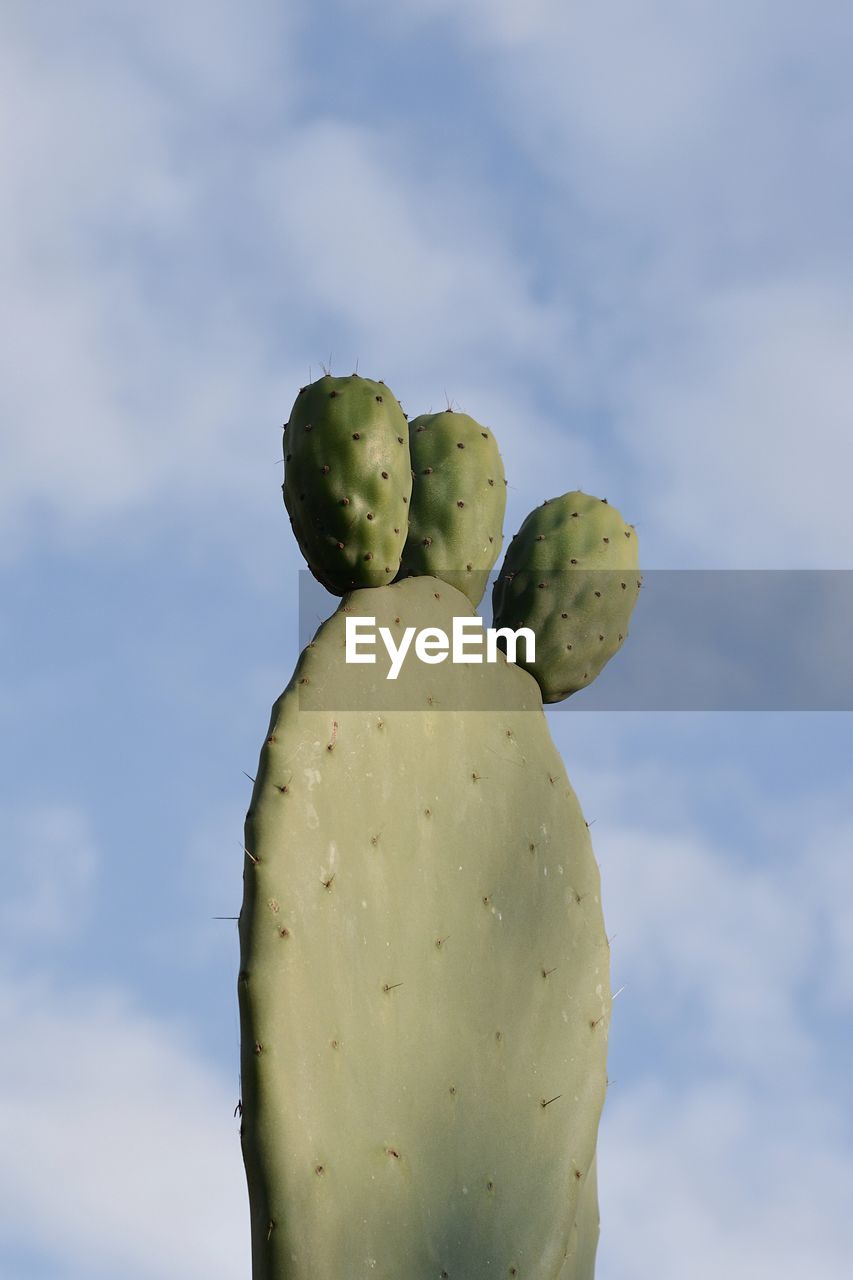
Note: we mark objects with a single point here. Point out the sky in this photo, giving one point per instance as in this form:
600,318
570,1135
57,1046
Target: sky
618,234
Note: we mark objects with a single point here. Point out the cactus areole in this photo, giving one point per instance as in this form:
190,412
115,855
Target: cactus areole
424,976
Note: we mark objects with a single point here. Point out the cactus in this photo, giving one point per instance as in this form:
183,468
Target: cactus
458,502
347,481
570,574
424,980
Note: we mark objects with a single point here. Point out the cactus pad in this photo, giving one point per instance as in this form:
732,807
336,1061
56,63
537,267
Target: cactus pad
458,501
347,481
570,574
424,984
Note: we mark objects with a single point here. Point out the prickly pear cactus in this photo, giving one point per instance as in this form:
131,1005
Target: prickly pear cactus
424,986
571,574
458,502
347,481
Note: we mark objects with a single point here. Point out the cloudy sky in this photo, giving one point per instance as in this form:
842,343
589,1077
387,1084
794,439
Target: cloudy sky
619,234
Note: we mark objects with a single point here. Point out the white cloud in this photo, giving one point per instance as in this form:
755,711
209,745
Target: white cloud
712,1180
718,950
100,408
651,106
700,208
743,428
501,22
50,866
154,313
118,1150
693,150
828,890
421,275
725,1144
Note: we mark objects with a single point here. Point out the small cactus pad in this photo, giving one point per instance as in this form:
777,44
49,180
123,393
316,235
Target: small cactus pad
458,502
347,481
424,983
571,574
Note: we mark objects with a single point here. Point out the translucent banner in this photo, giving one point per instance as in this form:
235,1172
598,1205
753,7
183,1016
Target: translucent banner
698,640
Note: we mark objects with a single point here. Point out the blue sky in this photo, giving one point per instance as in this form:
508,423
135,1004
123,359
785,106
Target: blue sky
619,235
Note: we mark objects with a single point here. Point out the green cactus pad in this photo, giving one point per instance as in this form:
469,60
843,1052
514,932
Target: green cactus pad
348,480
458,502
571,574
424,984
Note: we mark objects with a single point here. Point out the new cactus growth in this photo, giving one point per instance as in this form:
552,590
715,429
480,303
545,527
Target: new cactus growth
424,980
347,480
458,501
571,573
